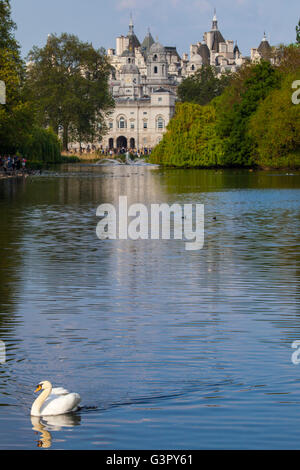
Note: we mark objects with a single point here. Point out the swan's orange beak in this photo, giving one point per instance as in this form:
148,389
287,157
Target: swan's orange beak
38,388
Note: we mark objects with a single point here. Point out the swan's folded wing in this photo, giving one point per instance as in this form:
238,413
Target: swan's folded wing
61,404
59,391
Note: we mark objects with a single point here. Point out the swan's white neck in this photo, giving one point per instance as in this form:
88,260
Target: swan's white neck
38,403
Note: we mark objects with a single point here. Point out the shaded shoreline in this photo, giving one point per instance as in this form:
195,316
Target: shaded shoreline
15,174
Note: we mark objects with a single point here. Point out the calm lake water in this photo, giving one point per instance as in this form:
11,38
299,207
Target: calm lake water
169,349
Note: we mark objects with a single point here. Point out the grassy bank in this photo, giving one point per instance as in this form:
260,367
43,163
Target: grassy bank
80,157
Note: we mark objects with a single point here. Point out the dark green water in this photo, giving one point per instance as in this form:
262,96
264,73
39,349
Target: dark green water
169,349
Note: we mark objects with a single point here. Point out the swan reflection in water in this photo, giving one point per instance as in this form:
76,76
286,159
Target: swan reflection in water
47,424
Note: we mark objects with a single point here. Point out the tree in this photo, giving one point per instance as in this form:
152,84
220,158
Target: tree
249,87
68,82
16,116
275,127
203,86
191,139
7,28
42,145
288,58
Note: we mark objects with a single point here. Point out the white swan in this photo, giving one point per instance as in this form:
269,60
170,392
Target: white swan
54,401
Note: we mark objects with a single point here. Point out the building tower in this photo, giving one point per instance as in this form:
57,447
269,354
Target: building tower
157,64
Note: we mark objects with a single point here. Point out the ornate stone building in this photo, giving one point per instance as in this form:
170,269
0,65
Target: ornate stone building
263,51
145,77
144,80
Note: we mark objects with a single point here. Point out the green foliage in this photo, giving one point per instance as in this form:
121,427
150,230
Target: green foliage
70,159
7,28
16,117
288,59
236,106
42,145
68,82
191,139
252,123
275,127
66,88
203,86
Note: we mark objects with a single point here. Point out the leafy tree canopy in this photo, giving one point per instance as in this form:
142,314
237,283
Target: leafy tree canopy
191,139
249,87
203,86
275,128
68,82
7,29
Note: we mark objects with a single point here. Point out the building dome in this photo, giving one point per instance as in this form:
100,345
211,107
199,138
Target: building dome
134,43
127,53
264,48
130,69
196,59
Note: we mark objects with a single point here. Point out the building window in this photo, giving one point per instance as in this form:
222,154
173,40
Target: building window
155,69
111,125
145,112
132,125
160,123
122,123
145,125
155,58
159,100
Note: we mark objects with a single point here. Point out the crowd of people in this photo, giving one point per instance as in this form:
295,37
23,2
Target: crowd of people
12,164
136,153
113,152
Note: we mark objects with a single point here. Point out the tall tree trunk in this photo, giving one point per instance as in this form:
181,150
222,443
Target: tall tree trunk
66,137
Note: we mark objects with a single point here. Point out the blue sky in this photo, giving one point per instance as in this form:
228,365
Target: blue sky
173,22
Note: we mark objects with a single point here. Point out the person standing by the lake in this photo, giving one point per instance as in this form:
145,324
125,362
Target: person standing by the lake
13,163
18,163
9,163
5,164
23,163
